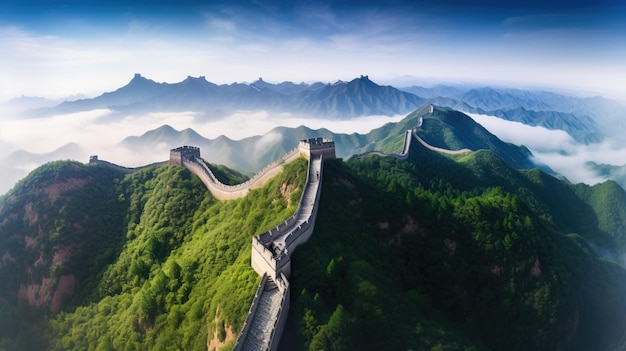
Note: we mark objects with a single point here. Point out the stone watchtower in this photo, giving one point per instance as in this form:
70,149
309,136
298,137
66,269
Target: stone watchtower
184,152
317,147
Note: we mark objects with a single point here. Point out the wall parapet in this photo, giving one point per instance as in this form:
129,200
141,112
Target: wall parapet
251,311
283,312
94,160
227,192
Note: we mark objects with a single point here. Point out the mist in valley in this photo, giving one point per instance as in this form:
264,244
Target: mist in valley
26,143
557,149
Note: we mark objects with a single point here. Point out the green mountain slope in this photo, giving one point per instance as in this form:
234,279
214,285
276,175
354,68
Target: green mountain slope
617,173
173,270
445,128
434,252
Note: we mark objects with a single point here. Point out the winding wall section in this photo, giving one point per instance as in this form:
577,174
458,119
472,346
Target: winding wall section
229,192
408,136
271,258
271,250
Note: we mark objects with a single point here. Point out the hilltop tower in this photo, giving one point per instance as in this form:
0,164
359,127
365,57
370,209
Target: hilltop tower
183,152
316,147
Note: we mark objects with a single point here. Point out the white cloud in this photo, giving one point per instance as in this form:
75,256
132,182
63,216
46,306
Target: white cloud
268,140
99,132
556,149
42,135
539,138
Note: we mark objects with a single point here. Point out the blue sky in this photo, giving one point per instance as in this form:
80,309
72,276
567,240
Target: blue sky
58,48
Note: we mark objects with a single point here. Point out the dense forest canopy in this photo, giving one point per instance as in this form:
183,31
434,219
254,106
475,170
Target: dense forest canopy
432,253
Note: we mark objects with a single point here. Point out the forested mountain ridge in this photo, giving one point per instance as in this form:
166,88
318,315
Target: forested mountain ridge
435,252
445,128
457,252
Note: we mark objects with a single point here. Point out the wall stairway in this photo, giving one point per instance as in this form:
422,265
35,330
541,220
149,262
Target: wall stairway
262,325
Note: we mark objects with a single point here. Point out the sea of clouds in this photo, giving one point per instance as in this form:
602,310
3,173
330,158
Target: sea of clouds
99,132
556,148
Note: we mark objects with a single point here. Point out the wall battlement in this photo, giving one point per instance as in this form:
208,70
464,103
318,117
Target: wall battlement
181,153
315,147
94,160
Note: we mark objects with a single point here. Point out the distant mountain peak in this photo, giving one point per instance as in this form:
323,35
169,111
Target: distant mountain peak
139,81
139,78
199,78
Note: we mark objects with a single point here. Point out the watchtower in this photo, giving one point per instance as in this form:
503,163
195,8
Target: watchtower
183,152
317,146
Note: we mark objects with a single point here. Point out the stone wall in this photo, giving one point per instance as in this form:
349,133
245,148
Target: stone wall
401,156
186,152
229,192
93,160
316,147
271,252
253,307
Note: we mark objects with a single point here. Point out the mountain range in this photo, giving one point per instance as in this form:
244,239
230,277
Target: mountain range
586,119
444,128
341,100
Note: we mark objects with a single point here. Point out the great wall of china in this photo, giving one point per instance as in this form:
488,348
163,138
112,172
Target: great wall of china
271,250
409,135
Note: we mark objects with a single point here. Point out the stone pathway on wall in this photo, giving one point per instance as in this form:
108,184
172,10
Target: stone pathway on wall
307,202
263,327
412,133
260,334
268,313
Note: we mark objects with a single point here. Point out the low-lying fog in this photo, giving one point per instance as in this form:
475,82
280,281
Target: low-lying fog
94,133
556,148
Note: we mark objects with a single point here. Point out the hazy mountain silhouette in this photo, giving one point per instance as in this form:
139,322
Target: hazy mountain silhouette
341,100
445,128
587,119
